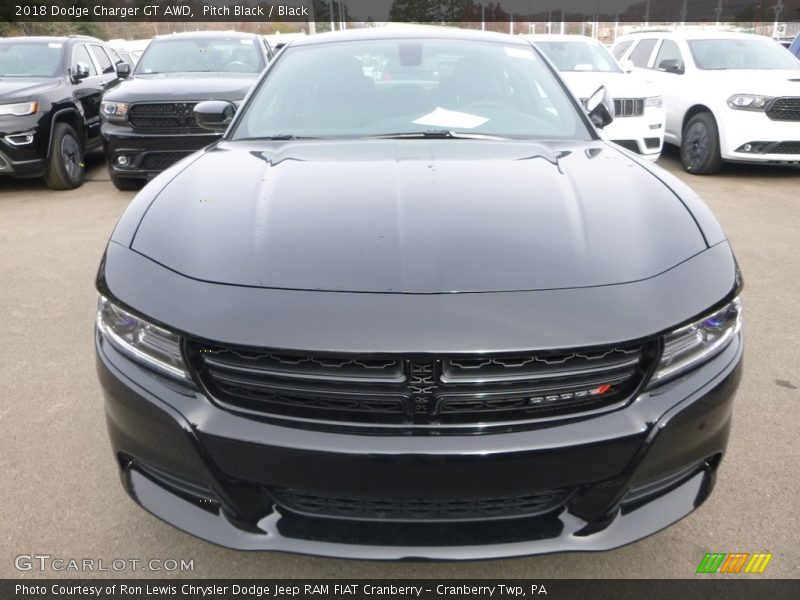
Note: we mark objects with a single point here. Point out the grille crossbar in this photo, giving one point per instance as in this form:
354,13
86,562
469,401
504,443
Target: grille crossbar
462,390
628,107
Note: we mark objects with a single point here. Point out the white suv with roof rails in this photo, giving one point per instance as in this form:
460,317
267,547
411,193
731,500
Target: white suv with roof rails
728,96
585,65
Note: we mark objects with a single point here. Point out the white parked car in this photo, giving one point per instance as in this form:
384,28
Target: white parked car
585,65
728,96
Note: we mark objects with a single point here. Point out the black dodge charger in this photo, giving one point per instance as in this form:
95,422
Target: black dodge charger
412,306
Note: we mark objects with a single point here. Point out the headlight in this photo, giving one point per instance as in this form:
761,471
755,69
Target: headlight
693,344
114,111
654,101
748,102
19,110
142,341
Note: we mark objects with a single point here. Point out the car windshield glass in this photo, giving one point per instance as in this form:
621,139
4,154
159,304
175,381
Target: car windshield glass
410,87
579,56
197,55
741,54
27,59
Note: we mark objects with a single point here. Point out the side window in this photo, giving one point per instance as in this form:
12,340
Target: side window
669,52
619,50
81,55
115,58
102,59
642,52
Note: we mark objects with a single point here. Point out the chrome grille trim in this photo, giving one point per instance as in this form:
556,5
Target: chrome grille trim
463,391
628,107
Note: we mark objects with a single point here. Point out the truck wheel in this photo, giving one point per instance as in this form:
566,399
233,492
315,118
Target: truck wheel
700,145
65,163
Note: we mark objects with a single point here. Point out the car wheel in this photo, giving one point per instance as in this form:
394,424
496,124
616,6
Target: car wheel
65,164
700,145
127,184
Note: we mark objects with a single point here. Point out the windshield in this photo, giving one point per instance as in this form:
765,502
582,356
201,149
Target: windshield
741,54
199,55
387,87
21,59
579,56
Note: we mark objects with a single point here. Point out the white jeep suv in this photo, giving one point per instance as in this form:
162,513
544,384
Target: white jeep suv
728,96
585,65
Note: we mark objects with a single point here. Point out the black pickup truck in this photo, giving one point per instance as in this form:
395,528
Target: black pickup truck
50,92
148,119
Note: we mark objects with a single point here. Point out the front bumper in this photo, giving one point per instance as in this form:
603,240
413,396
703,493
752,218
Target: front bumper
770,141
148,154
23,148
643,135
209,471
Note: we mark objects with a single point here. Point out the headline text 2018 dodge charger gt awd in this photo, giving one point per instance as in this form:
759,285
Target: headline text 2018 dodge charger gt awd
427,316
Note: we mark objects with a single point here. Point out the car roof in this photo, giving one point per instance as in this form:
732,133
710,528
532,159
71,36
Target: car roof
61,39
560,37
205,35
695,34
410,32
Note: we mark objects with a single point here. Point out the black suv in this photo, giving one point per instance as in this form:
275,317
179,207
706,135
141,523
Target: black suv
50,90
148,119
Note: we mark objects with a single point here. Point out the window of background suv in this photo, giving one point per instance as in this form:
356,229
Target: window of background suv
620,48
579,56
489,89
113,55
27,59
642,52
721,54
668,51
81,55
102,59
198,55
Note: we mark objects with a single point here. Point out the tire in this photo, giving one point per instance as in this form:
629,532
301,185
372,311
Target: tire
127,184
65,169
700,145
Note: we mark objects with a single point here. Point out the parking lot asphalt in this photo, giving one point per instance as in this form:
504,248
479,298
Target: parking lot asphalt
59,490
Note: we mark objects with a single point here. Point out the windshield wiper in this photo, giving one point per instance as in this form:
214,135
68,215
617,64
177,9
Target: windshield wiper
437,134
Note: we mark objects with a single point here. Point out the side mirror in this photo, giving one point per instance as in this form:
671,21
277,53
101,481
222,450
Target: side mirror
597,106
627,65
671,65
123,70
214,115
80,71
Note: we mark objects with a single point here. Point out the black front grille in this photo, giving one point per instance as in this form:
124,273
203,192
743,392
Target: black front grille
628,107
315,504
785,148
163,116
464,390
158,161
784,109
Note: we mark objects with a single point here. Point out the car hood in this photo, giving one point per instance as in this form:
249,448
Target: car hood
416,216
618,85
182,86
771,82
21,88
